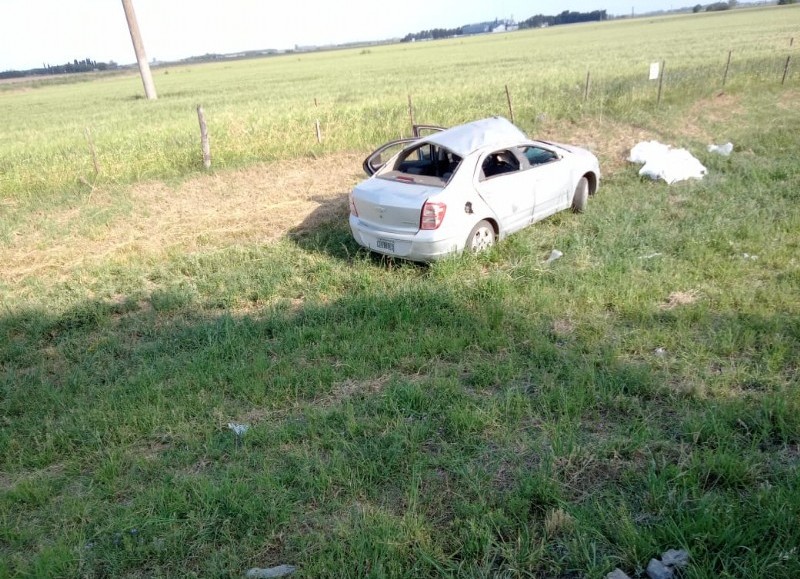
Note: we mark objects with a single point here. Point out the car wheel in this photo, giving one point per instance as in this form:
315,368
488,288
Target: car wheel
581,195
481,237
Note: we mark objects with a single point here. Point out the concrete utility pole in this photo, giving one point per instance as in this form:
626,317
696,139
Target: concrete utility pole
138,47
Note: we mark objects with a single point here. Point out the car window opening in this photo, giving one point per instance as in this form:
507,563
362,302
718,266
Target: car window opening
425,164
499,163
538,156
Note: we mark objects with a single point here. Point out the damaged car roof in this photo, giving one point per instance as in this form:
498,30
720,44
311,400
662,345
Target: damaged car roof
464,139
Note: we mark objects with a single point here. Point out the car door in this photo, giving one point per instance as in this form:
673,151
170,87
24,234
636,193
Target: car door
420,131
550,178
382,154
507,188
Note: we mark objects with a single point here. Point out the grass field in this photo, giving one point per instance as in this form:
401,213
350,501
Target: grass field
484,416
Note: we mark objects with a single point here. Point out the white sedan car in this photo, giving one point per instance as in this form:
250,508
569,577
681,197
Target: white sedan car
464,188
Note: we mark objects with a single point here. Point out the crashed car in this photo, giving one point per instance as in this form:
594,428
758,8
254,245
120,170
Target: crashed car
465,188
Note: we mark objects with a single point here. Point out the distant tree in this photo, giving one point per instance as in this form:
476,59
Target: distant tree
697,8
786,2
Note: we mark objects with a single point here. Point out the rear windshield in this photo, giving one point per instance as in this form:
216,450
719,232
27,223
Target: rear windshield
426,164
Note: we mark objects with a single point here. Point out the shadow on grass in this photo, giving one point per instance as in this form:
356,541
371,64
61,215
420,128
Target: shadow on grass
326,230
420,433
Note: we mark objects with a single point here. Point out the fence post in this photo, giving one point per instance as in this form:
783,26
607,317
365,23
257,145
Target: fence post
92,150
206,146
510,107
411,113
727,66
786,69
319,132
586,87
661,81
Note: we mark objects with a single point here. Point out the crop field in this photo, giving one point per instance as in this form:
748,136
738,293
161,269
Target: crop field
489,415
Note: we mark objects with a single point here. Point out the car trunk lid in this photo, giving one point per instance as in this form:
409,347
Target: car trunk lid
391,205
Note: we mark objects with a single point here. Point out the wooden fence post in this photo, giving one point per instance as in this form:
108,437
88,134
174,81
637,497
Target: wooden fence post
319,132
786,69
411,113
586,87
661,81
206,146
727,66
92,150
510,107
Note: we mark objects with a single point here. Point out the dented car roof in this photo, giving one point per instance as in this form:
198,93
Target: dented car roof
464,139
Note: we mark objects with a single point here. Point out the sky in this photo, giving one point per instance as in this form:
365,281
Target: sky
35,32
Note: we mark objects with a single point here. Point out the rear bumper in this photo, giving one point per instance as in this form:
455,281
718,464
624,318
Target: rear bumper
419,246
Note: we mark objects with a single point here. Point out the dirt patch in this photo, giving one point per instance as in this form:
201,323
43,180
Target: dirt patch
254,205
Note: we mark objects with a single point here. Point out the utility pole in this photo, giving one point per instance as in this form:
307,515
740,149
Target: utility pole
138,47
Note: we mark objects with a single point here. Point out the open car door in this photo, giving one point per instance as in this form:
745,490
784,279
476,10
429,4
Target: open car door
380,156
420,131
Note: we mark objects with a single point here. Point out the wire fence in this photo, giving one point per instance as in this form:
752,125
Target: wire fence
327,124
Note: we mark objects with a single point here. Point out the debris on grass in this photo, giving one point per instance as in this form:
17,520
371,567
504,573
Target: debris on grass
617,574
554,255
724,150
657,570
650,255
660,161
238,429
279,571
675,558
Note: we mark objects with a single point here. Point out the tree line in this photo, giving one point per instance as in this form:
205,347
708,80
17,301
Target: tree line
87,65
538,21
566,17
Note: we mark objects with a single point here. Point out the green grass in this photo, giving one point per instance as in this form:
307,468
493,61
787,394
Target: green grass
490,416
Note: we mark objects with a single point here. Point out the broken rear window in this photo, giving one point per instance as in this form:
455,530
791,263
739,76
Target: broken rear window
425,164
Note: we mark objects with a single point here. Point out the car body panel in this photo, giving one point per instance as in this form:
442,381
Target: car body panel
538,179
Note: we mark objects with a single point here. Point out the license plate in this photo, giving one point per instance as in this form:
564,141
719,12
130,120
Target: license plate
387,244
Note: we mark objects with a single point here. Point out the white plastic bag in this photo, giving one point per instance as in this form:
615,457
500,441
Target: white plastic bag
661,161
724,150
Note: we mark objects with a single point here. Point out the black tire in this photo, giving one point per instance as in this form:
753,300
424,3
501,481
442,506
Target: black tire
481,238
581,195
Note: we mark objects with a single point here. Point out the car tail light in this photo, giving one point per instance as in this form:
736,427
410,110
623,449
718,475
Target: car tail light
353,210
432,215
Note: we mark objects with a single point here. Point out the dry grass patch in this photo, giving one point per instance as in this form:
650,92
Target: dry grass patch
255,205
611,141
562,328
558,522
677,299
719,110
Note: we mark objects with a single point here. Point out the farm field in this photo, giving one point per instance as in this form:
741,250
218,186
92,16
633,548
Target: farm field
483,416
